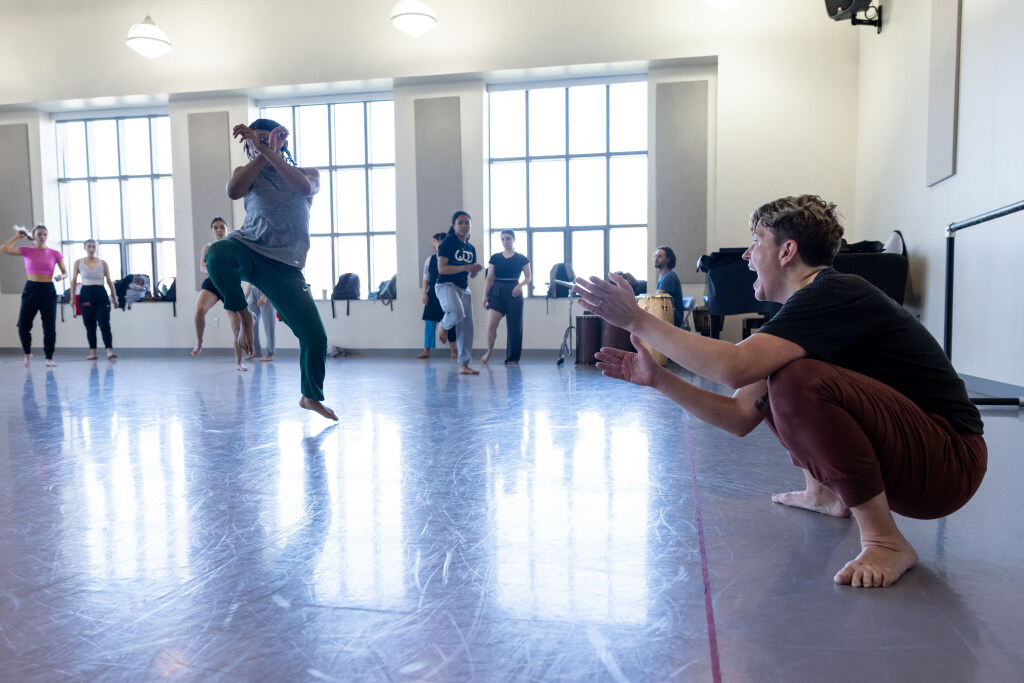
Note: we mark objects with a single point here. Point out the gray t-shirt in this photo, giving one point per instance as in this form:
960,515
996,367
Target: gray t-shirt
276,220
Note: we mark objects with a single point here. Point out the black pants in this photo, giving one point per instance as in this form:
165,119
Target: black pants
38,297
96,309
500,299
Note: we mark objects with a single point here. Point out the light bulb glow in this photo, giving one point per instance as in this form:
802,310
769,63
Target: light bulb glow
413,17
148,39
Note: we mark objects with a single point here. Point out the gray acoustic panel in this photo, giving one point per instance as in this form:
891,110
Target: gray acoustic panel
15,200
209,152
438,168
681,173
943,87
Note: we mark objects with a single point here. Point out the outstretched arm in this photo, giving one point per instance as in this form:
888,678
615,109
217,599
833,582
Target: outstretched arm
735,365
737,414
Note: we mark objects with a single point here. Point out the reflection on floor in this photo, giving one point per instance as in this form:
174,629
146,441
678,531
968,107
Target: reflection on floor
176,519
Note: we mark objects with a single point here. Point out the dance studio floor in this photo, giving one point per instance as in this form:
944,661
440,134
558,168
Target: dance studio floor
170,519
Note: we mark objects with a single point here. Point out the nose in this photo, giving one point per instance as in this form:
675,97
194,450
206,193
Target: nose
746,254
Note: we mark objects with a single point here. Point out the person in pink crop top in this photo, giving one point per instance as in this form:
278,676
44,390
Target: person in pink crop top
39,295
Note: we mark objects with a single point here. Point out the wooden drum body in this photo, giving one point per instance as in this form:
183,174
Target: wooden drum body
588,338
660,306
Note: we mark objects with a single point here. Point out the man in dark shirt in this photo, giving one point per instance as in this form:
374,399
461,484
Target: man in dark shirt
855,387
668,281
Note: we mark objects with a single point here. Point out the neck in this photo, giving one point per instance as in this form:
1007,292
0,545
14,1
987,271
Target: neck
800,279
662,270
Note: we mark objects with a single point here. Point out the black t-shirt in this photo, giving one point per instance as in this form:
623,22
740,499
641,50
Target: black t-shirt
844,320
508,268
458,253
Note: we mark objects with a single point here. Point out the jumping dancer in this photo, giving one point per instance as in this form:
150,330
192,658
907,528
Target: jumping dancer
269,251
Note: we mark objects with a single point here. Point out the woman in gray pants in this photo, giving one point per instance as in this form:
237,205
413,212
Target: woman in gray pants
456,263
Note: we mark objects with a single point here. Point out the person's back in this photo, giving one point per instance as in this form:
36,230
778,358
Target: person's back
844,320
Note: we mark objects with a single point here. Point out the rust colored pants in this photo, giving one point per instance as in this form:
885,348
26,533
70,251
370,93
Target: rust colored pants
859,437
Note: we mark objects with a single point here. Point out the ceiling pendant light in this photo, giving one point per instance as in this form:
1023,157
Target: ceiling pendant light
148,39
413,17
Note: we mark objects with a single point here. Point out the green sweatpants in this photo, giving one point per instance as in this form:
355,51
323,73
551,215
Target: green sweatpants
230,262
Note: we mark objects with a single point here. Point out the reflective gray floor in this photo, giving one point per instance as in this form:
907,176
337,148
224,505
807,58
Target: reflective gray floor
174,519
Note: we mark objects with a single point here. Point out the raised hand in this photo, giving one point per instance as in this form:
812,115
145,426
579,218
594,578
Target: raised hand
614,301
638,368
278,137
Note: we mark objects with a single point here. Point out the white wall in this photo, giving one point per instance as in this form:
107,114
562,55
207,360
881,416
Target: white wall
988,305
783,112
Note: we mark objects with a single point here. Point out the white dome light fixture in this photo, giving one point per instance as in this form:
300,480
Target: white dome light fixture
413,17
148,39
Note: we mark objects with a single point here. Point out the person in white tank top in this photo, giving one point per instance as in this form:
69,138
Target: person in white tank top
93,300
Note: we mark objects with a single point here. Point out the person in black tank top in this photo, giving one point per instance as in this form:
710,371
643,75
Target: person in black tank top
504,297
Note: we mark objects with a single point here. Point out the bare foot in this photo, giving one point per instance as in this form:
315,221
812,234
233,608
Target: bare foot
317,407
511,362
822,500
425,353
241,368
880,563
486,357
92,356
466,370
197,350
50,363
251,356
111,355
28,359
243,319
267,359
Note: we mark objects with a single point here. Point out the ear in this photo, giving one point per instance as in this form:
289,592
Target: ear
788,251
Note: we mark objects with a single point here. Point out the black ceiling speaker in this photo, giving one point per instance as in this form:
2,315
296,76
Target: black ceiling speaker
841,10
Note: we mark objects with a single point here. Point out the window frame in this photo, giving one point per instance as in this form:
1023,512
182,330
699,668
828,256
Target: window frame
327,174
124,244
568,229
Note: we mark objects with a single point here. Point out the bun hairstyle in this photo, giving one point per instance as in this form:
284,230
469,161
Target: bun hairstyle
269,125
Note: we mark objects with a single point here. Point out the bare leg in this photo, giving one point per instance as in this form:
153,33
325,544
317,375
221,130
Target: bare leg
885,554
492,333
205,302
815,498
317,407
236,322
243,337
92,355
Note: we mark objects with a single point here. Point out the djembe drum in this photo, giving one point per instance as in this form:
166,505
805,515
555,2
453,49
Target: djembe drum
660,306
588,338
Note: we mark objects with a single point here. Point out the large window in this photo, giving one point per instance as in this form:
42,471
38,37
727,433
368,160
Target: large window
114,179
568,174
352,222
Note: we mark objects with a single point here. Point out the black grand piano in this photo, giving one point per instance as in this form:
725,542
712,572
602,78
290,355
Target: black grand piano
731,282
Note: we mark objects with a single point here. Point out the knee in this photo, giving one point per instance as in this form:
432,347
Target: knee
795,386
217,256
